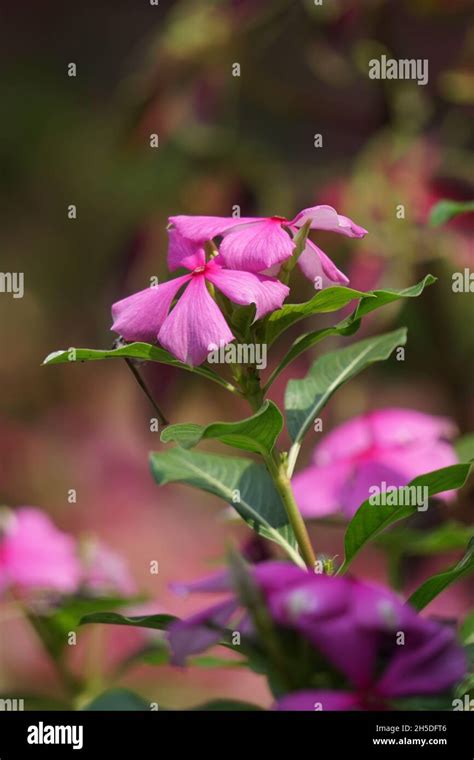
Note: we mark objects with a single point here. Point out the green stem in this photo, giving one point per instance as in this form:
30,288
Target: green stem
252,391
283,486
162,421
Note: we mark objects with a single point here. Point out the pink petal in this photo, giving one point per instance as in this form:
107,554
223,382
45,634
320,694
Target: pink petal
35,555
246,287
318,490
420,458
183,252
368,474
327,218
311,701
195,326
140,316
257,246
397,426
314,263
202,228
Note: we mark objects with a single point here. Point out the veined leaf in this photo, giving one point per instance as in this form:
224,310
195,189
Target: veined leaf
305,398
242,483
437,583
257,433
372,518
329,299
141,351
370,301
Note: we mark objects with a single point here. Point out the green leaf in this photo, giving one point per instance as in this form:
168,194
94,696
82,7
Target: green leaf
137,351
387,296
210,661
329,299
371,301
242,483
432,587
467,630
257,433
53,628
372,518
117,700
156,622
447,537
465,448
305,398
445,210
227,705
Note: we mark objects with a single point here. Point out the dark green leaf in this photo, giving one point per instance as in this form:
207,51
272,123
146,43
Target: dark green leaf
137,351
447,537
437,583
242,483
227,705
157,622
327,300
305,398
257,433
371,301
118,700
372,518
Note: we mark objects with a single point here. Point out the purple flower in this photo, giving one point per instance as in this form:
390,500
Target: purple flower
379,646
390,446
35,555
195,325
259,243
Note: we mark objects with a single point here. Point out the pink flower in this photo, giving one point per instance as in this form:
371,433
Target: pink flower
258,243
195,325
351,626
390,446
35,555
105,572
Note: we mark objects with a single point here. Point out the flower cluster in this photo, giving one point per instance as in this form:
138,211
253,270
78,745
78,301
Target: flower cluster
237,267
374,648
35,556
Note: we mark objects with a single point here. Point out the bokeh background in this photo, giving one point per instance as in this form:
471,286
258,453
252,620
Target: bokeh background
223,141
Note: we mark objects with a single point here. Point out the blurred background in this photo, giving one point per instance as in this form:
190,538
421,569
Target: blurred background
223,140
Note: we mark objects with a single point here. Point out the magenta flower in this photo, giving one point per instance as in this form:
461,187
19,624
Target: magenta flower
195,325
390,446
259,243
35,555
355,626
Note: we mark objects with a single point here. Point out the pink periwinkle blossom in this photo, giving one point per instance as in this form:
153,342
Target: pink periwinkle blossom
387,446
195,325
256,244
353,625
35,555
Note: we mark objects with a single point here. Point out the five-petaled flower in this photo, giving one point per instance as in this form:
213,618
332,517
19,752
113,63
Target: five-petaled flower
196,323
374,648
